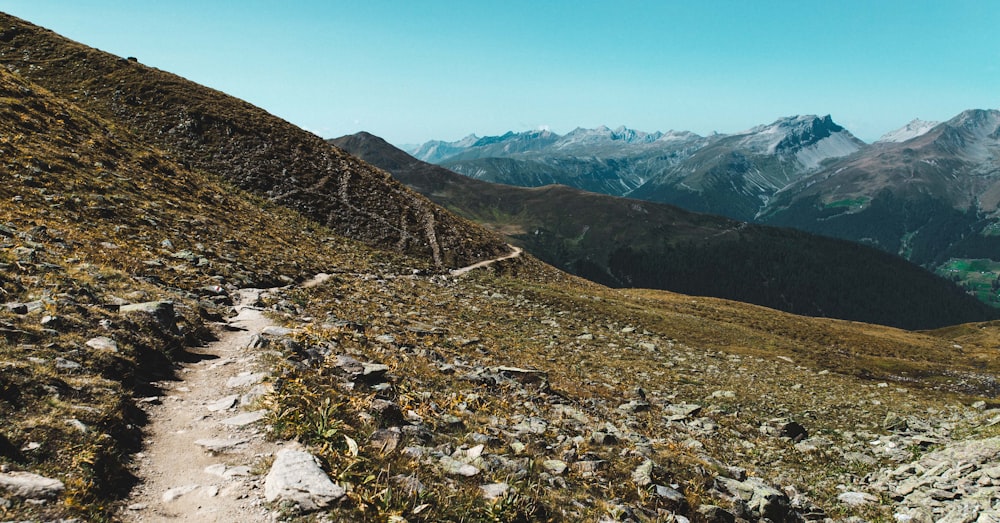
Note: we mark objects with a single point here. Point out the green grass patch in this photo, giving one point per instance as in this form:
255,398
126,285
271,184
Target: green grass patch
979,276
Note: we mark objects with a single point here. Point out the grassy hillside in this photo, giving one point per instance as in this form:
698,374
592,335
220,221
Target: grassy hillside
631,243
254,150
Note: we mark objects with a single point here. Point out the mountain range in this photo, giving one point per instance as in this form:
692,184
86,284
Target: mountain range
631,243
169,249
927,192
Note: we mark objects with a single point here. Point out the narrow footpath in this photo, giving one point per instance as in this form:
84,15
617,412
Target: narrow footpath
205,454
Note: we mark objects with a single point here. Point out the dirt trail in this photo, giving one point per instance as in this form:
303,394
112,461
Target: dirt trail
516,251
204,455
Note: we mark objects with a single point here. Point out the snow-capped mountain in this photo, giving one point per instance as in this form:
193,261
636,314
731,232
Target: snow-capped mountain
736,175
915,128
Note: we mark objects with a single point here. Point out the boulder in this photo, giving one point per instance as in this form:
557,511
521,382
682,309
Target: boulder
30,486
296,477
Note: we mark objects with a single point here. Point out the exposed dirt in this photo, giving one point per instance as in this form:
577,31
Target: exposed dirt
182,480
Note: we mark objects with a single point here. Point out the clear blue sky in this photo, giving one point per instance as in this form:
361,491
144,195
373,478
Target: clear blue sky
411,71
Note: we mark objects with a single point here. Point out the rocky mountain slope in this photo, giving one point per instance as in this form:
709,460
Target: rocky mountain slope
929,198
398,391
630,243
261,153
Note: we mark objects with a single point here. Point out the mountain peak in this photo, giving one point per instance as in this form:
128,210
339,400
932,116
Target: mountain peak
793,134
913,129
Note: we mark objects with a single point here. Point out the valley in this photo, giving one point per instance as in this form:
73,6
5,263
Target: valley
926,192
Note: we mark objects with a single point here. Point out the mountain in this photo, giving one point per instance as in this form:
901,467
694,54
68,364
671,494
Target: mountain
915,128
436,150
250,147
737,175
930,198
600,160
731,175
513,392
630,243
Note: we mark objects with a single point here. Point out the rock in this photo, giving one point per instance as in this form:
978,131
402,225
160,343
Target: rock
554,466
161,311
245,418
102,343
176,492
643,474
386,440
16,308
296,477
224,403
494,490
30,486
856,499
244,379
455,467
785,428
220,445
714,514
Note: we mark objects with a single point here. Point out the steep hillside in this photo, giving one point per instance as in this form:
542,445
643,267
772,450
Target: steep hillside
208,130
632,243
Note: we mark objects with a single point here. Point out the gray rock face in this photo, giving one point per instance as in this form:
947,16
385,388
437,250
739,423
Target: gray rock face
296,477
30,486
